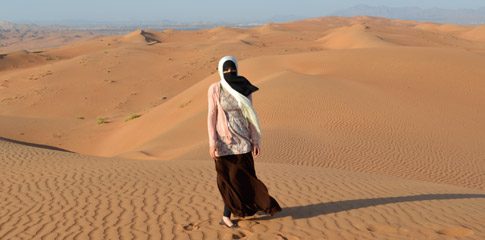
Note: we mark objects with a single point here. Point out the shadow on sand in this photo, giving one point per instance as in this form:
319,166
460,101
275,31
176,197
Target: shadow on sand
313,210
34,145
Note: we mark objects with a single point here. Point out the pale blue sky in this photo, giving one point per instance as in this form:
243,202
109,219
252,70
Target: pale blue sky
193,10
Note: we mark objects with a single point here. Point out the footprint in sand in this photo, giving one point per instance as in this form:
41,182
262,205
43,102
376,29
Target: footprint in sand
383,228
234,235
190,227
455,231
247,224
281,237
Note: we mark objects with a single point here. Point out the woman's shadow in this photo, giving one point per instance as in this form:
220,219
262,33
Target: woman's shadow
313,210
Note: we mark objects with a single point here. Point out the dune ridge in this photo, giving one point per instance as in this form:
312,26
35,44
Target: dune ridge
355,36
140,36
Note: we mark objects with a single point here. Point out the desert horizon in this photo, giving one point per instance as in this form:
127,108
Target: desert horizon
372,128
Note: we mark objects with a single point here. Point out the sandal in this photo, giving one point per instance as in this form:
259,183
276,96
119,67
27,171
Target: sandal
234,225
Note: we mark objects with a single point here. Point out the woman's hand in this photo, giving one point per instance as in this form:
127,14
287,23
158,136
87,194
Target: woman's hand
212,152
255,150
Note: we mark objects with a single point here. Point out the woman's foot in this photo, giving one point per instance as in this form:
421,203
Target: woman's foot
263,214
227,222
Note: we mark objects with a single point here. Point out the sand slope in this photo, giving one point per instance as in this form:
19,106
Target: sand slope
372,129
365,120
48,193
391,93
355,36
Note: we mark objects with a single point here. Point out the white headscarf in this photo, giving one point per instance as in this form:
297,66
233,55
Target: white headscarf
243,102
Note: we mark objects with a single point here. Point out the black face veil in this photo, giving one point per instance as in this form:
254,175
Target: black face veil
238,83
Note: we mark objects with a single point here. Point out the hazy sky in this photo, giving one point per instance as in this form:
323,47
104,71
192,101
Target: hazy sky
193,10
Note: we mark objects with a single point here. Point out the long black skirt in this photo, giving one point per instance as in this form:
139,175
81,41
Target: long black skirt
242,192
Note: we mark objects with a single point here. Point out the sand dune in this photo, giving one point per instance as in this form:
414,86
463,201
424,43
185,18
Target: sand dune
476,34
381,104
372,129
271,28
140,36
67,195
355,36
23,59
473,33
365,120
442,27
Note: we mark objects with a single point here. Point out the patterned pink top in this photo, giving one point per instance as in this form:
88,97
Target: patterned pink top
229,131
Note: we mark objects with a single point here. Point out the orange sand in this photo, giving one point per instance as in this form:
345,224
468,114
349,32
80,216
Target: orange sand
371,129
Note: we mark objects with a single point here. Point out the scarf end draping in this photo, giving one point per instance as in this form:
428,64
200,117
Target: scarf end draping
245,105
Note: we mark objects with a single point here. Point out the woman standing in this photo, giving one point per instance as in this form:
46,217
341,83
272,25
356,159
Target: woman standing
234,136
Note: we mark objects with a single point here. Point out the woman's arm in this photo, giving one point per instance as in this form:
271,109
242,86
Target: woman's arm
255,138
212,117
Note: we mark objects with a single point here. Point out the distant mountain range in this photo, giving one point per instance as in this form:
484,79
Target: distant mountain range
115,27
20,36
15,36
6,26
459,16
22,28
440,15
